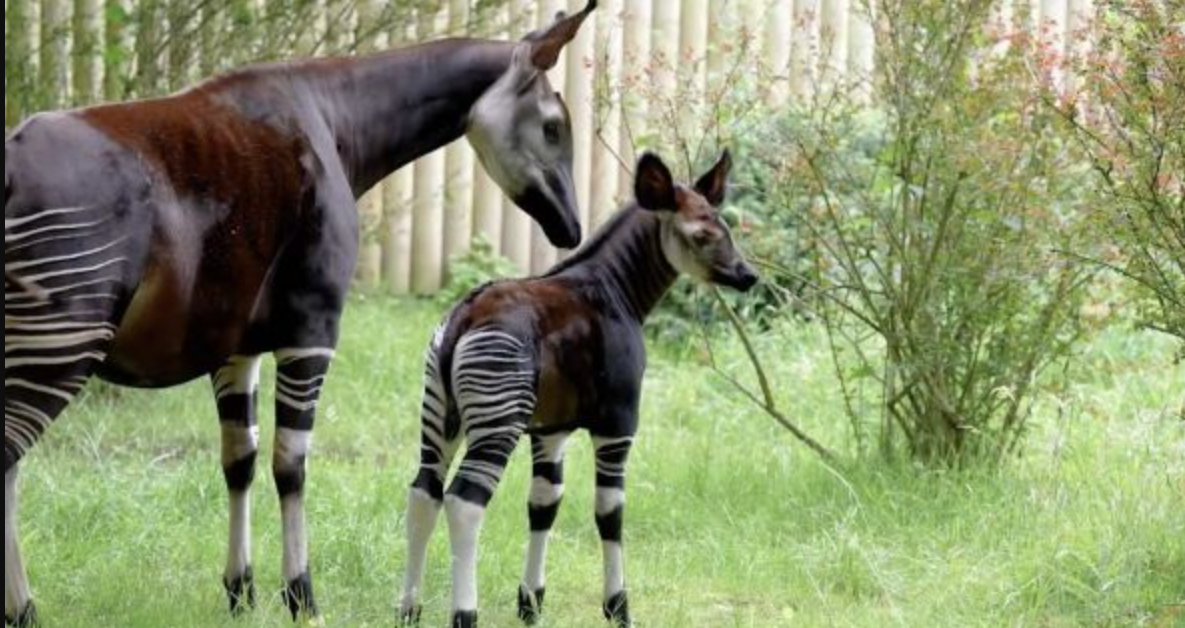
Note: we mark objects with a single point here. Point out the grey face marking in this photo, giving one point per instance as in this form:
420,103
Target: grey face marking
522,133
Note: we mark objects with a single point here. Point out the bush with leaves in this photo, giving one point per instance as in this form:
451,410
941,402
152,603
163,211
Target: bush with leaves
479,265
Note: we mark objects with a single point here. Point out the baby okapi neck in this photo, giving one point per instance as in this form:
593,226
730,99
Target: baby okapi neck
625,258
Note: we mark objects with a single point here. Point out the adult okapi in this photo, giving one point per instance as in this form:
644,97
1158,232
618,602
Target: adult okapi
154,242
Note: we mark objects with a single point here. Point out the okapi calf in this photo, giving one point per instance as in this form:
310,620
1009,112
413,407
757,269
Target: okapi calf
550,355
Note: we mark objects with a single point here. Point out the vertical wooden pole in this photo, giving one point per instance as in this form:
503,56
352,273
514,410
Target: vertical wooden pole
723,39
777,45
1053,34
487,196
86,51
579,94
52,65
18,62
804,50
693,46
458,212
516,225
664,48
115,49
148,18
543,254
210,40
427,267
605,167
833,37
370,206
1079,16
861,48
180,51
635,80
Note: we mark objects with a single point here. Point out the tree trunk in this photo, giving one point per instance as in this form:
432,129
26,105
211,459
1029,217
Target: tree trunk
52,66
86,52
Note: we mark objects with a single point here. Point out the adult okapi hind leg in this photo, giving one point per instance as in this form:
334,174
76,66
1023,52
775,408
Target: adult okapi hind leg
236,391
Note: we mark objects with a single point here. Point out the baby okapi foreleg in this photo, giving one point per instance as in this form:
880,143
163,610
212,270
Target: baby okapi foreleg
300,373
494,385
236,388
440,436
547,491
611,456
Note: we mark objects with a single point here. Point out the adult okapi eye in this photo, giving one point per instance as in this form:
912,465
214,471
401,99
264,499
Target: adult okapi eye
551,132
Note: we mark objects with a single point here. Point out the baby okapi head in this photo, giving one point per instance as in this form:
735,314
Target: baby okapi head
695,239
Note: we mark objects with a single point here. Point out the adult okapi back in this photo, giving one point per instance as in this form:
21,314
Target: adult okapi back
155,242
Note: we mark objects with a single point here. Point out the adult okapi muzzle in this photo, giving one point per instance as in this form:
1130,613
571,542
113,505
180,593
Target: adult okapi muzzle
522,133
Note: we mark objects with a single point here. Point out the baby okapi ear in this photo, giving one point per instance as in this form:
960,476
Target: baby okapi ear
653,185
547,43
714,183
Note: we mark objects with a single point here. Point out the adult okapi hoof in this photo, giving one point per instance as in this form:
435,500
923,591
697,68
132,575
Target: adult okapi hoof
27,618
241,592
465,619
410,617
530,605
298,597
617,610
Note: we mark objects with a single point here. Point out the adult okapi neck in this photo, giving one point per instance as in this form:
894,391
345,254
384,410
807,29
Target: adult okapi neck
626,259
386,110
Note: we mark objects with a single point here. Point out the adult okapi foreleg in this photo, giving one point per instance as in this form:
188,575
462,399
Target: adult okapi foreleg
236,387
543,505
494,386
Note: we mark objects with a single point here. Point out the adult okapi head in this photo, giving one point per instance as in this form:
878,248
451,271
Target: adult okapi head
695,239
522,133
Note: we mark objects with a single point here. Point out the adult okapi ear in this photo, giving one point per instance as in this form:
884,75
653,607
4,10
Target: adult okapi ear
547,43
714,184
653,185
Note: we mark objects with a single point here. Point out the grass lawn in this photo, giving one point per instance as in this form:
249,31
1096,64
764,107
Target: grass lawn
729,522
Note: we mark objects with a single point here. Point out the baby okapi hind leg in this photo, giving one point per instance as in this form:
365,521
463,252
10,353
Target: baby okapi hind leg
440,438
494,385
236,388
300,374
543,505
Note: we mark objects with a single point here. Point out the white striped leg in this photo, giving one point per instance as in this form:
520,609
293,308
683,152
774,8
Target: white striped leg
494,384
424,500
547,491
18,605
300,374
611,456
236,387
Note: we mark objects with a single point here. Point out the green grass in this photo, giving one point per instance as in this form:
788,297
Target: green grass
730,523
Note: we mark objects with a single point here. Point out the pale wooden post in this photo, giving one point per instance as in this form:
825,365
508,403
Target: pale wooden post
579,94
52,62
776,45
1079,17
664,48
487,196
605,167
722,37
85,52
210,40
516,225
427,264
862,48
18,62
398,199
148,34
543,254
833,36
458,198
804,50
693,46
370,206
180,43
1053,34
635,80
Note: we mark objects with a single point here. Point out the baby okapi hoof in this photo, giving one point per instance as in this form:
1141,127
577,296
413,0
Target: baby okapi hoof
410,617
530,605
298,597
27,618
465,619
617,610
241,592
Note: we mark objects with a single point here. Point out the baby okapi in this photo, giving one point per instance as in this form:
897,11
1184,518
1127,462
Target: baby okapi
550,355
